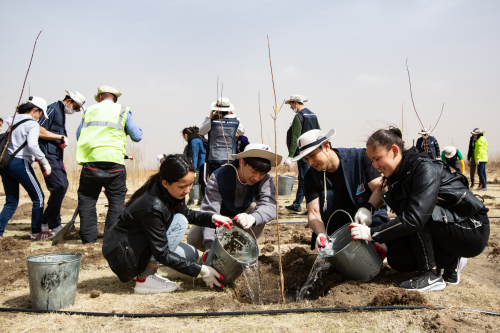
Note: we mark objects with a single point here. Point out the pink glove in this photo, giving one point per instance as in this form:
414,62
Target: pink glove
219,220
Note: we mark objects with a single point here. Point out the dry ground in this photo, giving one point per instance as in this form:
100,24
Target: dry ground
100,291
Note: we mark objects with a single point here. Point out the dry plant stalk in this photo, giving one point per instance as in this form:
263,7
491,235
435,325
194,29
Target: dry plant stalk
260,117
220,116
20,97
276,111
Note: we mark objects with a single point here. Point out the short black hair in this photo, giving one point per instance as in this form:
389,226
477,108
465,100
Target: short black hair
67,97
258,164
26,107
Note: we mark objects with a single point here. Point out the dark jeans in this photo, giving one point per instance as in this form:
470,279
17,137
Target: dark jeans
18,172
455,164
93,178
212,167
202,181
438,244
303,168
57,184
481,172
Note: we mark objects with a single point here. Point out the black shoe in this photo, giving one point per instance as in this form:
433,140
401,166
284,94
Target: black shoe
424,281
451,275
294,209
190,202
199,202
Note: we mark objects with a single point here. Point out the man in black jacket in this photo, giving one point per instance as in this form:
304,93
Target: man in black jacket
471,160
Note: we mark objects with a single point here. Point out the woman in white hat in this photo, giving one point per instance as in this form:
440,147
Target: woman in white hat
23,146
242,189
453,158
339,178
481,157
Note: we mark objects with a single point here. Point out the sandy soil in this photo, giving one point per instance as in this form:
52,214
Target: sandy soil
100,291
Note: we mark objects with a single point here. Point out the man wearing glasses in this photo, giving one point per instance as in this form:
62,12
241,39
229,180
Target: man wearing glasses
53,139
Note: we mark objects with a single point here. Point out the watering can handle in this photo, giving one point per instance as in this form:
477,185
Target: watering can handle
329,219
235,222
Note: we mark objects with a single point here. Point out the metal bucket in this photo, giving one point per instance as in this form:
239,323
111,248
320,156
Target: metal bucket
231,251
285,184
355,259
195,192
53,278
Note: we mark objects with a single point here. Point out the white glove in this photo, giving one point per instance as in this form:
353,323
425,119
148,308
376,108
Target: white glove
321,240
288,162
47,168
363,216
360,232
210,276
219,220
245,220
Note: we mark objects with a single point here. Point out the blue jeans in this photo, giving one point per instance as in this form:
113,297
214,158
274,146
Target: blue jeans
18,172
303,168
175,233
481,172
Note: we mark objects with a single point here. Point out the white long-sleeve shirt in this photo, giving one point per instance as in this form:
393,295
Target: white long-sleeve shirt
29,130
207,125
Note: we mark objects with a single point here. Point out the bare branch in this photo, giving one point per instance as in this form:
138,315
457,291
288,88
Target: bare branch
442,109
411,94
260,117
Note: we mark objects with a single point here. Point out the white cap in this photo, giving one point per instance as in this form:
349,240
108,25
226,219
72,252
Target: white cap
311,140
39,103
106,89
296,98
77,97
222,104
258,150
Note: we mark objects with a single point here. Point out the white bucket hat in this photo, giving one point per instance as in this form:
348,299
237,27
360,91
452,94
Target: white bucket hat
449,151
311,140
258,150
106,89
39,103
222,104
424,131
296,98
77,97
477,131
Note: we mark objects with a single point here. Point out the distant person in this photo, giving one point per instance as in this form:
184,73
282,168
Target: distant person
241,143
481,157
428,144
221,144
196,151
23,146
1,126
160,158
453,158
303,121
53,141
470,158
102,137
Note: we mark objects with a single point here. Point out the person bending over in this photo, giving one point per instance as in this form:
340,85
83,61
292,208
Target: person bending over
453,157
439,221
242,189
150,229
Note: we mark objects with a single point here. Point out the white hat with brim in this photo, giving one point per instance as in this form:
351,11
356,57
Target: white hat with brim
39,103
477,131
106,89
424,131
222,104
449,151
259,150
77,98
296,98
311,140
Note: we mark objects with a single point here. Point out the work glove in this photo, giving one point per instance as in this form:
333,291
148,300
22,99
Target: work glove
360,232
205,256
288,162
64,143
45,168
363,216
321,240
219,220
381,250
245,220
210,276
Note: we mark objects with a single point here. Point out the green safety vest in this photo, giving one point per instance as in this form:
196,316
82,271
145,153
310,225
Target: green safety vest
103,137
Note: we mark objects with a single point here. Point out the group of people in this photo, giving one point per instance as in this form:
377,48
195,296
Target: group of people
439,224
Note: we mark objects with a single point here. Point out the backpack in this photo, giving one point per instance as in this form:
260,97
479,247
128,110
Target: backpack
7,158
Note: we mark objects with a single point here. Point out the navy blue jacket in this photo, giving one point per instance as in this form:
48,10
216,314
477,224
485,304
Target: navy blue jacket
55,124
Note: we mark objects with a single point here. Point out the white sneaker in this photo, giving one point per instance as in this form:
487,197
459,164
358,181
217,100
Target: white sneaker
154,284
57,229
45,228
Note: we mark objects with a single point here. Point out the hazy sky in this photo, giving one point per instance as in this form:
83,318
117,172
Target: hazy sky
347,57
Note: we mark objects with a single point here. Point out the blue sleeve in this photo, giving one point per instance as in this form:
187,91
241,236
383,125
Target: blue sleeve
203,153
78,130
194,152
132,129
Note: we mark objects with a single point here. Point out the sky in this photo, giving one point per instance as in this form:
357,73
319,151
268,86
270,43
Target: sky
347,57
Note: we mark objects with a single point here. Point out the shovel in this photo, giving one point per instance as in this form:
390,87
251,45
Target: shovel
66,230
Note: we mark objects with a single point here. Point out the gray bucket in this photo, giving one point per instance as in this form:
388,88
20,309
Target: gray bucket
355,259
285,184
195,190
53,278
231,251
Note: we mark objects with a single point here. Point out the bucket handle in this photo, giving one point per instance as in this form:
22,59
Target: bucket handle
338,210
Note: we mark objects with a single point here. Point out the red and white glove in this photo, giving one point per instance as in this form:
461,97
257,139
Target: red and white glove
363,216
245,220
64,143
45,167
220,220
360,232
321,240
210,276
381,250
205,255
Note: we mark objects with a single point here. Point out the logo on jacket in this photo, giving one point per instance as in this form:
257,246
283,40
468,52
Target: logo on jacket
361,189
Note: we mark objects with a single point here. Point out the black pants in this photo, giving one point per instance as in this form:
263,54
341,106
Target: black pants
438,244
212,167
93,178
57,184
202,181
454,164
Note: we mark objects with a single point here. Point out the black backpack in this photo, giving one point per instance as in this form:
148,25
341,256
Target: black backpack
7,158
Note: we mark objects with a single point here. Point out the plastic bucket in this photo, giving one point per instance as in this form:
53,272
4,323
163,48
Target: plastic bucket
285,184
53,278
231,251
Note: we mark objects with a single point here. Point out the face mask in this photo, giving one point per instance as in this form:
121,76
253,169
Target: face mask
69,111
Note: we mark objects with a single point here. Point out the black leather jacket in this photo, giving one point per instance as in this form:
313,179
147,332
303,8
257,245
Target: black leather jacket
424,189
142,231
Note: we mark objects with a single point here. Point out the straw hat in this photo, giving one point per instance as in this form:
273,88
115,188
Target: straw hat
311,140
296,98
477,131
106,89
222,104
39,103
258,150
449,151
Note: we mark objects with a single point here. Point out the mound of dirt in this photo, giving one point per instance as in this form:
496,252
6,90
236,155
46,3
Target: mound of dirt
449,323
301,238
398,296
267,248
495,252
10,243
